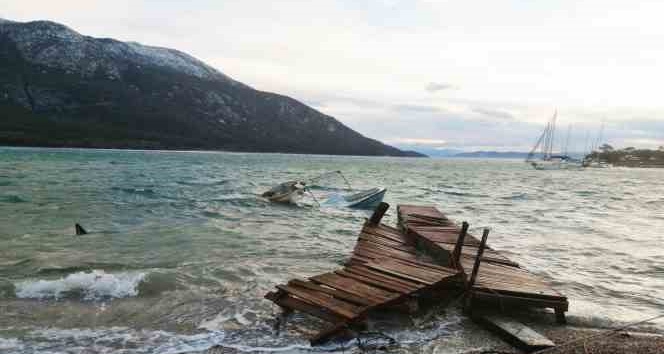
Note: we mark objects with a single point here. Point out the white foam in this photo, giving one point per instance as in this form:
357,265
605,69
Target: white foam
10,343
112,340
92,285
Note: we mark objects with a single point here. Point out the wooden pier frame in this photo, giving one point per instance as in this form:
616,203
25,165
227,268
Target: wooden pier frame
384,271
496,281
426,256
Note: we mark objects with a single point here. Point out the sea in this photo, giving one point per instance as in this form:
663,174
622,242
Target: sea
181,247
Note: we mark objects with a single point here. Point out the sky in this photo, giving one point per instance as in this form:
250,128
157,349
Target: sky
467,75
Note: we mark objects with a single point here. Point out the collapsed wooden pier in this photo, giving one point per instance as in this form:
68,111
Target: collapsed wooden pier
384,270
428,256
497,281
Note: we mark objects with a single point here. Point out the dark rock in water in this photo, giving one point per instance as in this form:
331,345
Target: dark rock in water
61,88
80,230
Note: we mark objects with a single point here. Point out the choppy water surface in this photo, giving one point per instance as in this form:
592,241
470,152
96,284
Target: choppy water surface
182,248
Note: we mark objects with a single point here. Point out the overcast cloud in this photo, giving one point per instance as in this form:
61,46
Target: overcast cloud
456,74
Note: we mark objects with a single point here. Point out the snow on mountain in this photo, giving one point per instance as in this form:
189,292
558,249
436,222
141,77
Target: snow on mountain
66,48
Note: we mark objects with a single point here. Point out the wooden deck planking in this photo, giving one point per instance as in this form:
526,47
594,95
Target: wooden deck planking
498,278
384,269
387,267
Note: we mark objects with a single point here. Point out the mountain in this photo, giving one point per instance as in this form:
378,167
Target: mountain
430,151
61,88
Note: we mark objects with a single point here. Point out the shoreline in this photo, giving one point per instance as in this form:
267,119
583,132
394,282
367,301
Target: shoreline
570,339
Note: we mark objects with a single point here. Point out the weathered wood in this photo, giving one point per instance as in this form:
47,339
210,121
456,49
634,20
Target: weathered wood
480,250
338,307
514,332
339,294
400,274
456,254
326,334
560,315
378,213
352,286
503,300
375,281
292,303
386,278
388,267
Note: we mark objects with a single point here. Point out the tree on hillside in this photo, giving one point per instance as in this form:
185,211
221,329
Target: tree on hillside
606,148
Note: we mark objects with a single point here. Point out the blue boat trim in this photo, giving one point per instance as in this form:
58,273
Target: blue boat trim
370,201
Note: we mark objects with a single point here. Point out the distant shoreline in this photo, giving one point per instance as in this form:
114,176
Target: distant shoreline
189,150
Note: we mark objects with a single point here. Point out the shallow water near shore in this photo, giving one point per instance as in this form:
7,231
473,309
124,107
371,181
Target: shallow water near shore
182,247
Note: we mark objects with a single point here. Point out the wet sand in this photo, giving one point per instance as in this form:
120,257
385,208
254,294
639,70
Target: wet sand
604,341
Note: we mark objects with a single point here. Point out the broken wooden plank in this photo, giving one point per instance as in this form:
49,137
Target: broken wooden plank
292,303
378,280
334,330
338,307
503,300
456,254
339,294
514,332
400,274
354,287
378,213
374,282
363,270
478,259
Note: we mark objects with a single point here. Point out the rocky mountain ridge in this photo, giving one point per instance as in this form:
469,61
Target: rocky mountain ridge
62,88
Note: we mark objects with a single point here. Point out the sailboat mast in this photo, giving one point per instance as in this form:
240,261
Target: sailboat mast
547,136
553,132
569,132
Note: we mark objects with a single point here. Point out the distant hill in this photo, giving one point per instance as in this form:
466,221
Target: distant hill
494,154
61,88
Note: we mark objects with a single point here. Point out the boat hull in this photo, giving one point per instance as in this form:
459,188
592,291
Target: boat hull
368,199
556,165
292,197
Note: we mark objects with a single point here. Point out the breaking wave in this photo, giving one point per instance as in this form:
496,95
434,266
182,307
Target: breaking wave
111,340
93,285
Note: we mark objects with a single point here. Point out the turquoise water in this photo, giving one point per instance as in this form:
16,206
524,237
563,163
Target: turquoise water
182,247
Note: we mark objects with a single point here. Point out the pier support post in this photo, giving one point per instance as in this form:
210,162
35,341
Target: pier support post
480,252
378,213
560,316
456,254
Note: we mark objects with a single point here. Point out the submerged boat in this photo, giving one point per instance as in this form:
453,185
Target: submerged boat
544,148
292,191
366,199
287,192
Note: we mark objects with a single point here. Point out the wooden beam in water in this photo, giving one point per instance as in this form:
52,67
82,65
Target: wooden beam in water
456,254
339,294
514,332
378,213
480,251
338,307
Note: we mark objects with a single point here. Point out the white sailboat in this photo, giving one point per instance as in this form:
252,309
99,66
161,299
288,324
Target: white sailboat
544,147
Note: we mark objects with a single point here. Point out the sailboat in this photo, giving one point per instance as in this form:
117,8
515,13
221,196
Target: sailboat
545,159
